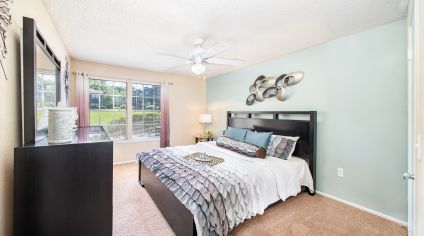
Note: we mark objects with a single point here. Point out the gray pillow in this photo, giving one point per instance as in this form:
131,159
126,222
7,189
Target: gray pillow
284,149
241,147
281,146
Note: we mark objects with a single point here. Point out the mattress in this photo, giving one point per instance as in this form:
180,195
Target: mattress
272,178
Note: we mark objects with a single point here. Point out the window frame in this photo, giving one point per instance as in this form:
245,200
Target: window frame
143,97
42,91
129,138
101,107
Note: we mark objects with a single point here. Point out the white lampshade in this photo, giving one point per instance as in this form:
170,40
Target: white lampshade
205,118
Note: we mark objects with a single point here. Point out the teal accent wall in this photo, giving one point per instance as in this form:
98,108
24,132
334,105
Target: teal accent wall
358,85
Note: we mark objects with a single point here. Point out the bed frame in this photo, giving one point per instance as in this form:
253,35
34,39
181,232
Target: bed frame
289,123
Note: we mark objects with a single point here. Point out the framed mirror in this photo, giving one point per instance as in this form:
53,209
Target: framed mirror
40,82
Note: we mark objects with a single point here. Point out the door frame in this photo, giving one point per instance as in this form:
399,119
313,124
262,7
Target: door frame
415,35
419,92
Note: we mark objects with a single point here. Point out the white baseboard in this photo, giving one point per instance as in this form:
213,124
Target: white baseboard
397,221
124,162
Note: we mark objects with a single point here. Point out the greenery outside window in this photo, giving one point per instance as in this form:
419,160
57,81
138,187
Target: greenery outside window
45,94
145,110
46,89
108,108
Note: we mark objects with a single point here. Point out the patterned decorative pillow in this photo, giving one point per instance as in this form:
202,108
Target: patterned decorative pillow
281,146
241,147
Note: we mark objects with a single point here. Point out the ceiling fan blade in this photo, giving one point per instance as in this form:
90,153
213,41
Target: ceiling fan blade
172,55
216,49
180,65
224,61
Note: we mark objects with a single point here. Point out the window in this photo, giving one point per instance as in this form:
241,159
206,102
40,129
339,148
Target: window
46,89
108,108
145,110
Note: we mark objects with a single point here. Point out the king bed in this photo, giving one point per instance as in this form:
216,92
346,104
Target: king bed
200,199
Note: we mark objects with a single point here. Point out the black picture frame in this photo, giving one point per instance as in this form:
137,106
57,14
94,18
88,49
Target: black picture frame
31,37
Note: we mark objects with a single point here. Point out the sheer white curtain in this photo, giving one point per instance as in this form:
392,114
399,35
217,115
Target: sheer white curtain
83,90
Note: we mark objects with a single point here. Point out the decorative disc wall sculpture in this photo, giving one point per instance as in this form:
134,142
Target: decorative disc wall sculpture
268,87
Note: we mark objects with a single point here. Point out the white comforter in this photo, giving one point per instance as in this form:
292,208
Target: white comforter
269,179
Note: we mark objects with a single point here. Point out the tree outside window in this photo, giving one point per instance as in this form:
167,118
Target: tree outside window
145,110
108,108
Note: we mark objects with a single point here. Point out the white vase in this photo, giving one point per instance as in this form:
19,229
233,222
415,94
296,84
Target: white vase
61,125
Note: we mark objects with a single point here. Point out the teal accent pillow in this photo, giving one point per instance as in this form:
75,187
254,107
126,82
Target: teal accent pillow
236,133
260,139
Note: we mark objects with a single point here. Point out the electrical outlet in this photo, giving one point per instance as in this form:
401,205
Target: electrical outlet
340,172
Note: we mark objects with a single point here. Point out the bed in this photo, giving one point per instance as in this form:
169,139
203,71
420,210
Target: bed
248,185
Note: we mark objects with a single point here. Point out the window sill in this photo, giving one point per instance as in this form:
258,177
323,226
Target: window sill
137,140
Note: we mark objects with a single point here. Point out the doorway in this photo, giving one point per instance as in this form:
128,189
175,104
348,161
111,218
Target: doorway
415,26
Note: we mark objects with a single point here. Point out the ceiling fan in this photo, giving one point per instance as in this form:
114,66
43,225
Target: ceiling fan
199,56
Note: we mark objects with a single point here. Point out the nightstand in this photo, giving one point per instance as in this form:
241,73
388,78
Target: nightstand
203,138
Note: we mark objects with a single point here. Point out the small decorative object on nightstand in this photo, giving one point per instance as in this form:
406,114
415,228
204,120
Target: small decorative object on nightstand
203,138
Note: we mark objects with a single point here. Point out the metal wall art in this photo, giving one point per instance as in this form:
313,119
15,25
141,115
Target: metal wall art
5,21
268,87
67,81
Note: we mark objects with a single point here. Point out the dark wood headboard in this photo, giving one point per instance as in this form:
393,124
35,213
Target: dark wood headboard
280,123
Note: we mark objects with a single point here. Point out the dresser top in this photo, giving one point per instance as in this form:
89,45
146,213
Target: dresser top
89,134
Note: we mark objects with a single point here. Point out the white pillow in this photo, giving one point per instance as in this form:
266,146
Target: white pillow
281,146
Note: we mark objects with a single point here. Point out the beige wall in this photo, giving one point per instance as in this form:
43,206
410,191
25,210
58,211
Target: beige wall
186,102
10,97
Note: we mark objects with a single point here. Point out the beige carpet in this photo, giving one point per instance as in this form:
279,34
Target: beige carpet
134,213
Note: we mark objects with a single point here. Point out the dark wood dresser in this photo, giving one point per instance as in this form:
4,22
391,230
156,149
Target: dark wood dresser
64,189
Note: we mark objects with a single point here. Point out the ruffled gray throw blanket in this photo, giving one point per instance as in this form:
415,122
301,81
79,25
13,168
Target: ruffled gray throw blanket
217,198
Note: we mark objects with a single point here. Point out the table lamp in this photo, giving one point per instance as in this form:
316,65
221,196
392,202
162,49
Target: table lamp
205,119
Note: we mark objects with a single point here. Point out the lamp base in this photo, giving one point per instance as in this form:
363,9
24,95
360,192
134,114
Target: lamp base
207,132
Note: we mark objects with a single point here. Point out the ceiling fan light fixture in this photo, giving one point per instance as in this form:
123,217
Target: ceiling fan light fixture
200,57
198,68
